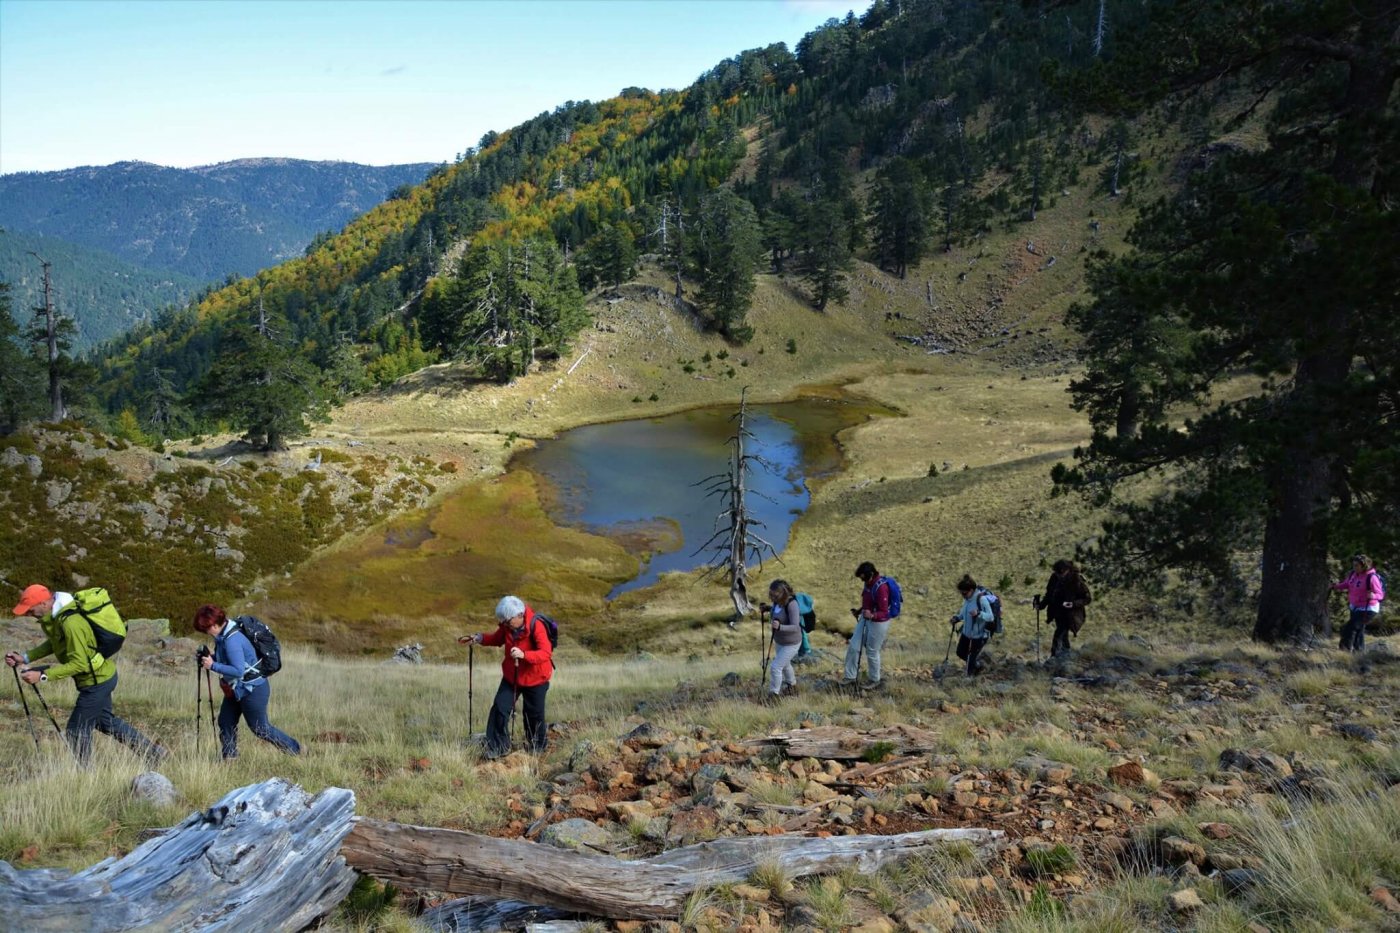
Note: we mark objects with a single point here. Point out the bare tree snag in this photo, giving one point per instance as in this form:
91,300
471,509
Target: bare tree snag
735,541
265,857
455,862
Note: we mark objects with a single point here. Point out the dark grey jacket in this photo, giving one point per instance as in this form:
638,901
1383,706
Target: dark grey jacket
790,624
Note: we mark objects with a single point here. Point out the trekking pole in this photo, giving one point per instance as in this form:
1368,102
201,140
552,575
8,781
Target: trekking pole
943,668
198,700
471,674
27,715
209,686
514,698
1037,633
860,650
45,703
767,647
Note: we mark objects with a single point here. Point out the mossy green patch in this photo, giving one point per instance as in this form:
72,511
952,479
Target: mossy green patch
399,580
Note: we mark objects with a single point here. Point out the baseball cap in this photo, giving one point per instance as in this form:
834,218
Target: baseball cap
33,595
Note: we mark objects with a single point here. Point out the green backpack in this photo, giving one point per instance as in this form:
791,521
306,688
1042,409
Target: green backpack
96,607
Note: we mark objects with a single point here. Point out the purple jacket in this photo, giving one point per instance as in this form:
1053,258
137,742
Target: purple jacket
1364,590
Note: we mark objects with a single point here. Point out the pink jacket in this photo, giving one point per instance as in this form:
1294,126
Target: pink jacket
1364,590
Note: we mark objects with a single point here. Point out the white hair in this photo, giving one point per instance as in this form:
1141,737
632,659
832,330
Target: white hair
509,607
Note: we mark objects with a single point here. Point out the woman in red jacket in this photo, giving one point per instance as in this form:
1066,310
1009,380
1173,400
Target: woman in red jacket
525,672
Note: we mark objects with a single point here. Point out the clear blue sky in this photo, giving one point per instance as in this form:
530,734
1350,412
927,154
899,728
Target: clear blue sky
195,82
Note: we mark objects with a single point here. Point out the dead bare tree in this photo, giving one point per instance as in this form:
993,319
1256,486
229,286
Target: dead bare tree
48,328
735,542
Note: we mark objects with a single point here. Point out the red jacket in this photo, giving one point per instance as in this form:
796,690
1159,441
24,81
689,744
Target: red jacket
538,664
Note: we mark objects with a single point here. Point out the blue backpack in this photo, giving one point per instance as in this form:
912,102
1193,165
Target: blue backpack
808,608
896,595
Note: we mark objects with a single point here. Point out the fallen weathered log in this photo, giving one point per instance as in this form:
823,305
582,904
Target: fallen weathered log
485,915
455,862
837,742
265,857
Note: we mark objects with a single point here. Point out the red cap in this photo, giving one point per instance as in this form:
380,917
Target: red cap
33,595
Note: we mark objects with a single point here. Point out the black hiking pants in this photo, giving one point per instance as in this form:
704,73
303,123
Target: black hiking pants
1354,632
498,722
93,710
969,650
1060,643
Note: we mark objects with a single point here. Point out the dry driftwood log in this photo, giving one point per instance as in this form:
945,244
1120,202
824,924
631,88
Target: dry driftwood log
265,857
426,859
836,742
485,915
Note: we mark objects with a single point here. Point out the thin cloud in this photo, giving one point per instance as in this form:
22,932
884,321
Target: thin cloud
390,72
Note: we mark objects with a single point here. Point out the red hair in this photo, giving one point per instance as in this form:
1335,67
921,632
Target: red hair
208,617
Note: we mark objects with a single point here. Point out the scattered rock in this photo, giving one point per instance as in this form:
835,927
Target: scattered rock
1120,802
748,892
1185,901
649,736
1126,774
1216,830
576,834
1382,896
1238,880
1178,851
706,777
1258,760
407,654
584,803
154,787
1354,730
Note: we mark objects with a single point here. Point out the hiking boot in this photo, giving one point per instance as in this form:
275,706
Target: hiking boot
873,685
769,699
789,690
847,682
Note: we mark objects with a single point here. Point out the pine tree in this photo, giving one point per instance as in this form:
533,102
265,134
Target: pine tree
260,384
899,216
1279,264
165,412
513,301
726,250
609,257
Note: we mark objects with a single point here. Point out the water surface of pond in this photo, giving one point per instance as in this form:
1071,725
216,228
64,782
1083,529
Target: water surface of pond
642,482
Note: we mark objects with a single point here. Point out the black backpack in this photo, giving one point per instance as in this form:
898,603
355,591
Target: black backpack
994,603
808,609
265,645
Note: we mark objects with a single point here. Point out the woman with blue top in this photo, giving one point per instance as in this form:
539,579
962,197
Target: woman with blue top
246,690
975,617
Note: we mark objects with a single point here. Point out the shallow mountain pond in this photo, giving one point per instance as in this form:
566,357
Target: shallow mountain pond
644,482
577,519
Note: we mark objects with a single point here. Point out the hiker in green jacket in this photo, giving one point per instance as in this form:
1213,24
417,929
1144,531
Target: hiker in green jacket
70,639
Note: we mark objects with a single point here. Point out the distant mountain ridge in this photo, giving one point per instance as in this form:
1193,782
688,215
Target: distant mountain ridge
207,222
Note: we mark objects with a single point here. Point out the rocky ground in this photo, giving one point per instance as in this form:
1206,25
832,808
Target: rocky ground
1165,797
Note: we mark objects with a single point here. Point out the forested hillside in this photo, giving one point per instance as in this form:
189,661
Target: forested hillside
207,222
103,295
924,115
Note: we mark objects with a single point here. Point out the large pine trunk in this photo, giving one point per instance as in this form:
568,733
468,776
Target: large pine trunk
1294,589
1293,594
